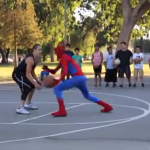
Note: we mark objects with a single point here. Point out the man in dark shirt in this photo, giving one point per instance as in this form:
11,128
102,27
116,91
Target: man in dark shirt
69,53
24,75
125,56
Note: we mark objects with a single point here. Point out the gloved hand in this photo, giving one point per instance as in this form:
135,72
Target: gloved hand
52,71
56,81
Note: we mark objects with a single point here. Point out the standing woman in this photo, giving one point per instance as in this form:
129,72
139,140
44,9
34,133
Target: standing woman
97,60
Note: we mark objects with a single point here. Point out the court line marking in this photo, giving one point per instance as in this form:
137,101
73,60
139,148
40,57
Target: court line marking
73,131
91,128
87,123
53,103
80,123
44,115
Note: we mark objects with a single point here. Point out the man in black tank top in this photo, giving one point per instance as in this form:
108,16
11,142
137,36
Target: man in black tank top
24,76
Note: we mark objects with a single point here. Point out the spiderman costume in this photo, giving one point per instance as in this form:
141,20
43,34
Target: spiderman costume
78,80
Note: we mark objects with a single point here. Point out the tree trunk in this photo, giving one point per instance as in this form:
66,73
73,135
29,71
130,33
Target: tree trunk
126,31
52,53
4,60
7,54
44,58
130,17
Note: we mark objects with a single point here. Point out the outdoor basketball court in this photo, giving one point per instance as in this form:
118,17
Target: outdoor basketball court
127,127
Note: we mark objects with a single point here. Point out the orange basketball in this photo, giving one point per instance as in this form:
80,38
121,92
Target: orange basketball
48,81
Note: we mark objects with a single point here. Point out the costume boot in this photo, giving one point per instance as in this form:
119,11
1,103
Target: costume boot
62,111
107,108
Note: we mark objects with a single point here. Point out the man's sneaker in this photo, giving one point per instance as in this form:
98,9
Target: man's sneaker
30,106
22,111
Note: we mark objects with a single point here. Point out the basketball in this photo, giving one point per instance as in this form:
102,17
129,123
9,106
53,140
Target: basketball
117,61
137,60
48,81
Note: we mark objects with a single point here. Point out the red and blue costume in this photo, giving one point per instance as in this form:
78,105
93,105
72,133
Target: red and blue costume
78,80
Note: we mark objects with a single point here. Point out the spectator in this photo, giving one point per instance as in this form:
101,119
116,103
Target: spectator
111,71
125,56
97,60
77,57
69,53
138,65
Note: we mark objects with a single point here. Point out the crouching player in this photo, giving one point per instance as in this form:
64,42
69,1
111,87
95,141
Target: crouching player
78,80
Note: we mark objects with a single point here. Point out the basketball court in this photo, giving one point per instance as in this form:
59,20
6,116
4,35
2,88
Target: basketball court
126,127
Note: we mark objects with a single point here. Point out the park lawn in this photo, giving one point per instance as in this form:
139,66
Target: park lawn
6,71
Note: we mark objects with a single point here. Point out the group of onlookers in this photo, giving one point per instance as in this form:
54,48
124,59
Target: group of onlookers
126,57
113,71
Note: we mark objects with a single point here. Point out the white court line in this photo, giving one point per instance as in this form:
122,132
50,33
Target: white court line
47,103
81,123
44,115
87,123
76,131
92,128
65,124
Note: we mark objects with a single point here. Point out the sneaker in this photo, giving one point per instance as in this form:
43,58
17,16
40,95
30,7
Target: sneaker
130,85
22,111
107,85
114,85
30,106
121,86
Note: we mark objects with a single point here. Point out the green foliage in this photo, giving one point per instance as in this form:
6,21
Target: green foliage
144,43
43,21
108,20
19,21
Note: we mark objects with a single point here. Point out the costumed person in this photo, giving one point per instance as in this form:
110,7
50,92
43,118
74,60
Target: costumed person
44,73
78,80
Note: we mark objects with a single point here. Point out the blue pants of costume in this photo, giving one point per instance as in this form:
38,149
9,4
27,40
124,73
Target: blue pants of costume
78,82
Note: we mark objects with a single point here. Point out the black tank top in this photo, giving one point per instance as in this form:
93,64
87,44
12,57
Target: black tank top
21,68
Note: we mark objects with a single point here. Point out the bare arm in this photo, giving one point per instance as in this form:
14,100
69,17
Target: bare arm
92,58
29,71
34,75
102,57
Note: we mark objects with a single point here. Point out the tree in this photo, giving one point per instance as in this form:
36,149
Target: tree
119,19
18,25
131,15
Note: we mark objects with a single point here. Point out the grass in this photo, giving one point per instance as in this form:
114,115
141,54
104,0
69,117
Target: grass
6,70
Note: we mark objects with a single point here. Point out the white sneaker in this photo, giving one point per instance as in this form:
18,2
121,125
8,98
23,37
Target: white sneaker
22,111
30,106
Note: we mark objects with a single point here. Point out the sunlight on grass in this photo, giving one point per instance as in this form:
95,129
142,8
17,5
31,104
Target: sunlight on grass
6,71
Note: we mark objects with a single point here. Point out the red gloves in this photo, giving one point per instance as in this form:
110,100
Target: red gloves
52,71
56,81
